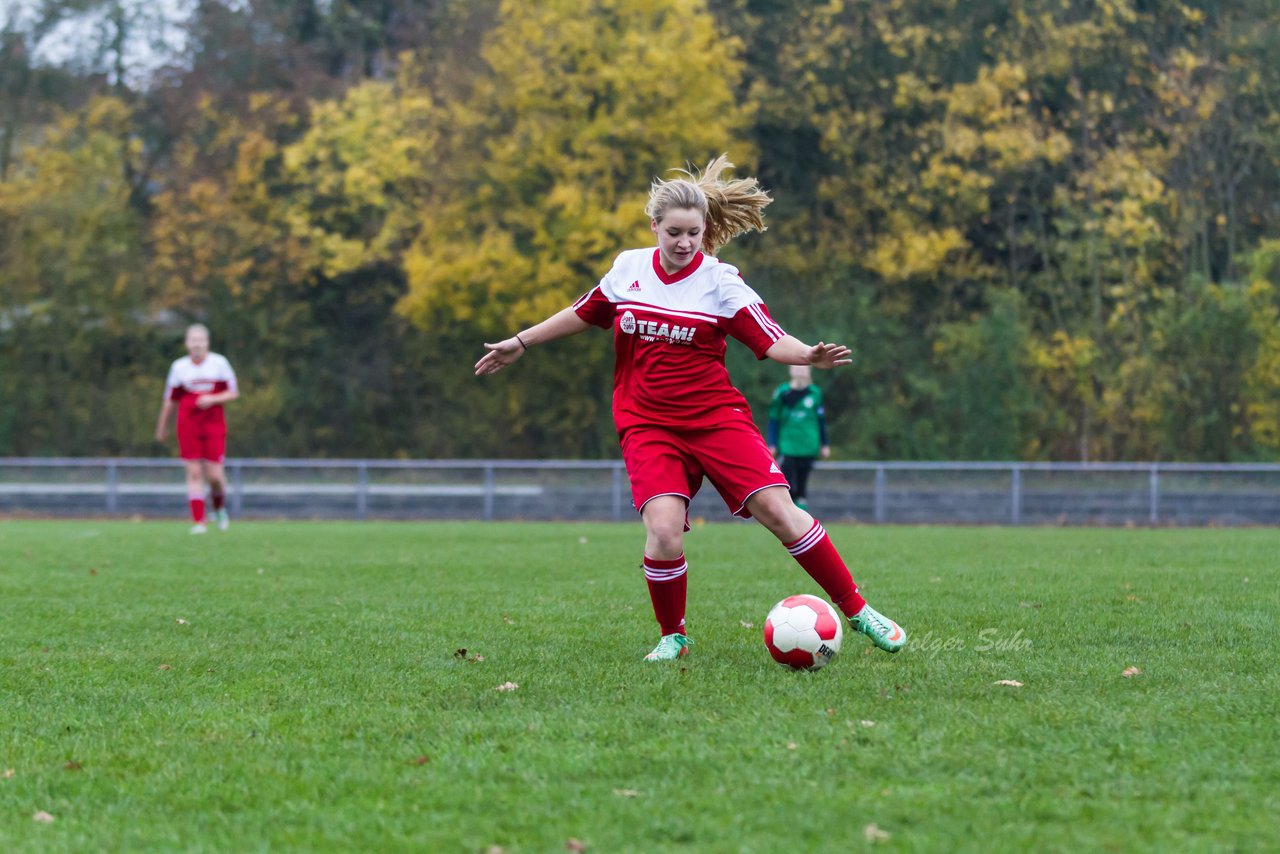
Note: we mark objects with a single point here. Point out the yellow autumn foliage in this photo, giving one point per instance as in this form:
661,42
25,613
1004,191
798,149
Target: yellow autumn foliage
578,108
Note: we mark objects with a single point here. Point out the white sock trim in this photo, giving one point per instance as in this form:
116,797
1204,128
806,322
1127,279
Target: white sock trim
655,574
808,541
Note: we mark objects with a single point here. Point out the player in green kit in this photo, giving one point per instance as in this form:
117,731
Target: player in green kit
798,430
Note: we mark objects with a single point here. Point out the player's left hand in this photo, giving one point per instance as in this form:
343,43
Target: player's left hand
828,356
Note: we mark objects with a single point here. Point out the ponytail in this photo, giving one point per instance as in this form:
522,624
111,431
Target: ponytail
729,208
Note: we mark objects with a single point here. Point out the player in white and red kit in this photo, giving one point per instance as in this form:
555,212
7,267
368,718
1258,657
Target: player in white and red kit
198,386
678,417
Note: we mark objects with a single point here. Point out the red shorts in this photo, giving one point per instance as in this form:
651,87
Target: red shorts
202,442
733,456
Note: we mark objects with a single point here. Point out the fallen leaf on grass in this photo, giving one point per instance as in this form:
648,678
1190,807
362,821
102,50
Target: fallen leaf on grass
42,817
507,686
419,760
867,723
8,774
791,745
476,659
261,571
936,578
831,713
626,793
874,834
582,541
1130,672
746,625
577,846
1028,604
73,765
508,620
182,622
93,570
1012,683
495,849
1132,598
460,652
164,667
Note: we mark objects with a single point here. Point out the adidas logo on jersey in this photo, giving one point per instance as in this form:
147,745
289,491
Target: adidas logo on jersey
634,286
773,469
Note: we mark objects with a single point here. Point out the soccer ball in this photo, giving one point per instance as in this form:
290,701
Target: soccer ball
803,632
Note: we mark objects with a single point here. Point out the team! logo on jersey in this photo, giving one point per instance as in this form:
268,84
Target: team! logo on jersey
654,330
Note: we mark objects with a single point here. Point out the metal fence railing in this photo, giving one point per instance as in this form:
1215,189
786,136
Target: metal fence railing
889,492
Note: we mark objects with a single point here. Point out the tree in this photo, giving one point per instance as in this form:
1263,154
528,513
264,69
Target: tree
74,321
549,152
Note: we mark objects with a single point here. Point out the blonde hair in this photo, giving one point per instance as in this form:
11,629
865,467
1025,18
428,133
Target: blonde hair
729,208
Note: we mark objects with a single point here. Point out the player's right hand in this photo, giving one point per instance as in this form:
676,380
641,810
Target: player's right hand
161,434
499,356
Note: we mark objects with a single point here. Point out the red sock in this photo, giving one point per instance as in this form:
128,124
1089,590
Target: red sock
817,554
668,587
197,509
219,497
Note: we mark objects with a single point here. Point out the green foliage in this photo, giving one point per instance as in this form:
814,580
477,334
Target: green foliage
1048,229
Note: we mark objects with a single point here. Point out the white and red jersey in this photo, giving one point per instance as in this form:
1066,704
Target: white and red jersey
187,381
669,335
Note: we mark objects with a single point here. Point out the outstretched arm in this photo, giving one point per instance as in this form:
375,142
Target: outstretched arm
162,423
792,351
559,325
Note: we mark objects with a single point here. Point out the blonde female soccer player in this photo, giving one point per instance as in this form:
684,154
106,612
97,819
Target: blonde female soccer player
198,385
671,309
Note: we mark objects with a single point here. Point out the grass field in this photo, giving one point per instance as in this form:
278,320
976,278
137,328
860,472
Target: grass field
300,686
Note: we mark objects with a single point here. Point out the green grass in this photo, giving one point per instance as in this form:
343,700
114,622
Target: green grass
317,666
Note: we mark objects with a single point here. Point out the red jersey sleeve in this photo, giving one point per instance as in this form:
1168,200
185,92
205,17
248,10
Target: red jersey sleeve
594,307
753,326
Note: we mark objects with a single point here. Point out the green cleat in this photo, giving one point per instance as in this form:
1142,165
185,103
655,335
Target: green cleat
884,633
670,648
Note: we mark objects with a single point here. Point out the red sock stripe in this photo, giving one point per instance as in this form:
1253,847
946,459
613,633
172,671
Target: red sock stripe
664,570
808,541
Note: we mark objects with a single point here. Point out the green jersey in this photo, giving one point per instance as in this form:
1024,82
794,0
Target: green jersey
797,421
